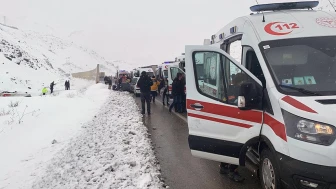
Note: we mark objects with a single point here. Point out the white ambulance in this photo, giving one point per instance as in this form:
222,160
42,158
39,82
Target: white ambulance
275,110
136,76
173,68
162,70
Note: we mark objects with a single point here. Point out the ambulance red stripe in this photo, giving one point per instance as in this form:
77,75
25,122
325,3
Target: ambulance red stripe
228,111
234,112
220,120
297,104
276,126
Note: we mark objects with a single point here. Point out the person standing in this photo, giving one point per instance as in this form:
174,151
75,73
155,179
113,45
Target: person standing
183,95
177,92
161,85
154,88
68,84
44,90
52,84
165,95
145,84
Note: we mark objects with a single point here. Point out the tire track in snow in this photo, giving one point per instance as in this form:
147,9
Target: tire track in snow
113,151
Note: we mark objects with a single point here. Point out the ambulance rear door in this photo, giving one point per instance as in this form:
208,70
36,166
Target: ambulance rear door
218,129
172,72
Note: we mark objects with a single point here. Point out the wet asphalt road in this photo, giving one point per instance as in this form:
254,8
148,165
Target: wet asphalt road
180,170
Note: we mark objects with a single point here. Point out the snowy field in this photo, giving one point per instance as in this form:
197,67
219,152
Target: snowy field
88,137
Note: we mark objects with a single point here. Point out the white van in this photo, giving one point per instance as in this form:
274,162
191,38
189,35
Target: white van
277,105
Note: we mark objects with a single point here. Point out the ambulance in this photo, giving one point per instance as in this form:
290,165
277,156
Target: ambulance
162,71
173,68
136,77
274,110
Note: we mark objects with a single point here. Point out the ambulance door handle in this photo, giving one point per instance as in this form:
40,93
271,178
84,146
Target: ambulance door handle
197,106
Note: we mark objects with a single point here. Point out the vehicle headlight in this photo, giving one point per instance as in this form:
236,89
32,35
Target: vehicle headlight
308,130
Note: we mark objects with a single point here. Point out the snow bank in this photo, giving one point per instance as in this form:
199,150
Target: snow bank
28,130
113,152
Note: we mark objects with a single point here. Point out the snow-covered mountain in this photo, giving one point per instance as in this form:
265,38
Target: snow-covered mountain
30,60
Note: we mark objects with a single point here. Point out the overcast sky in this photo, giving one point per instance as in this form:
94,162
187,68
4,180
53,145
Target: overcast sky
137,31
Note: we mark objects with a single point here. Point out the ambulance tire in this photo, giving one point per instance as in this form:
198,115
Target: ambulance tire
268,171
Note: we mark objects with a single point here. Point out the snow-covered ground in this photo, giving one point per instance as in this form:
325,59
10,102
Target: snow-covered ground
82,138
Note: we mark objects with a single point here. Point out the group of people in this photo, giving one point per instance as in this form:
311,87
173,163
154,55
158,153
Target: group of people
67,85
52,84
150,87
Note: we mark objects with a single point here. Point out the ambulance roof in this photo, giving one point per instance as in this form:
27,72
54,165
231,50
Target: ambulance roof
281,24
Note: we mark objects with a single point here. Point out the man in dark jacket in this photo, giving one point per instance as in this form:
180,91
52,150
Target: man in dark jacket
52,87
165,91
184,96
145,83
177,92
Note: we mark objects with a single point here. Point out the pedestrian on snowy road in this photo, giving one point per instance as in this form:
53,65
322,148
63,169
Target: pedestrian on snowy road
177,92
44,90
154,88
165,96
145,83
67,85
52,84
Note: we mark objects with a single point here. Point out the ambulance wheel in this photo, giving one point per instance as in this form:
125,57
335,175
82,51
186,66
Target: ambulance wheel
269,173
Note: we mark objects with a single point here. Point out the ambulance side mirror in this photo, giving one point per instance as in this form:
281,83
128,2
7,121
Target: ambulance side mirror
250,96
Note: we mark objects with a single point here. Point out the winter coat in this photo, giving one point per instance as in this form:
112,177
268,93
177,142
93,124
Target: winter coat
155,85
178,87
44,90
52,85
145,84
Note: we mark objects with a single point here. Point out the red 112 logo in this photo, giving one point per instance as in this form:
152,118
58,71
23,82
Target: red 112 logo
280,28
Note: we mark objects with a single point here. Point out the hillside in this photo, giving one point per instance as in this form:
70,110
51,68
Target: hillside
30,60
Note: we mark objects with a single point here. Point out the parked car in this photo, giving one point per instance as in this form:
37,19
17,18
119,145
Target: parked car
14,94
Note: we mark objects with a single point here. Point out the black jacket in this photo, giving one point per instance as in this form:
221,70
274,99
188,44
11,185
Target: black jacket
145,84
52,85
178,87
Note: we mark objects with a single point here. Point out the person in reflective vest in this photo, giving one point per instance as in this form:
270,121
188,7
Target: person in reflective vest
44,90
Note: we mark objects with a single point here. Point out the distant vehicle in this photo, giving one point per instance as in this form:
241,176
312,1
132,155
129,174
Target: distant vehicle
14,94
134,89
148,69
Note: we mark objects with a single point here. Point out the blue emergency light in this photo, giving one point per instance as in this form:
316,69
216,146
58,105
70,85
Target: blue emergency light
233,29
221,36
284,6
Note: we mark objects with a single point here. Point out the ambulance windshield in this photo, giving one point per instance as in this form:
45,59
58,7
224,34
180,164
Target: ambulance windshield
304,63
150,74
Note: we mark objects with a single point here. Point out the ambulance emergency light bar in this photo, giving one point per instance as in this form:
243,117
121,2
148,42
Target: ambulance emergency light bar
284,6
168,62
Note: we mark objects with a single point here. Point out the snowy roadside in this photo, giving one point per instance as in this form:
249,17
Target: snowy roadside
113,152
29,126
